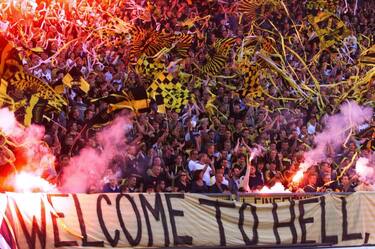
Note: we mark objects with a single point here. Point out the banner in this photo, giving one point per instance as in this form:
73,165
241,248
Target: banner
168,220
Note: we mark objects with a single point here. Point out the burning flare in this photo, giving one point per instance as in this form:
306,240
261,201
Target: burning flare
30,183
27,157
277,188
298,176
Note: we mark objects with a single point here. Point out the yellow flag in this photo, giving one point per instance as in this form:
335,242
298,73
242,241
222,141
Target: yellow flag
59,89
3,86
67,80
84,85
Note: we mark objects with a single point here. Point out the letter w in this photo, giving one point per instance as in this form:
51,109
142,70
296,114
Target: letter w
35,229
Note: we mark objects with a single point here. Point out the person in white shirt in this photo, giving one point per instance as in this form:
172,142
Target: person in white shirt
203,160
192,160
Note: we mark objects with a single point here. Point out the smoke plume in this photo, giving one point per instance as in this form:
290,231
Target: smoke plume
33,156
90,165
365,168
337,128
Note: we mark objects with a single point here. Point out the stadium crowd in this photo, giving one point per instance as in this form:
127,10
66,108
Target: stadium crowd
198,150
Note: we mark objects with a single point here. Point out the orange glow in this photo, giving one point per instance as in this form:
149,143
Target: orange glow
277,188
298,176
30,183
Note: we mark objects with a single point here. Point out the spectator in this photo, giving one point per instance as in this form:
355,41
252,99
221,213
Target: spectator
111,186
198,185
182,184
219,187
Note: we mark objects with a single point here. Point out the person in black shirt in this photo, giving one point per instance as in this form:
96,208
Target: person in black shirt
311,186
219,187
198,185
345,185
182,184
154,175
255,180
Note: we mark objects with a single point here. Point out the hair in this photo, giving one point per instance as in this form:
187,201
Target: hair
196,174
201,155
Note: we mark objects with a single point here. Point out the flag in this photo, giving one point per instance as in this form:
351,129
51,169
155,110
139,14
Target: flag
67,80
37,87
12,75
218,56
84,85
168,92
148,42
148,66
329,29
182,44
249,7
251,87
326,5
136,100
139,99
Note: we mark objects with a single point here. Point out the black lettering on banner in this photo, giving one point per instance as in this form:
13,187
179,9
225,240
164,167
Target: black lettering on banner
277,224
332,239
367,237
82,225
35,229
177,240
157,212
132,242
54,216
256,199
217,204
303,221
345,234
285,198
112,241
276,199
255,238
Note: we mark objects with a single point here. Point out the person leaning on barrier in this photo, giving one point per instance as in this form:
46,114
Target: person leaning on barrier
311,185
198,185
345,185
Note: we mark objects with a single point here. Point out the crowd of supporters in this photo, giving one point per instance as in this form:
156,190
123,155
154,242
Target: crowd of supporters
196,150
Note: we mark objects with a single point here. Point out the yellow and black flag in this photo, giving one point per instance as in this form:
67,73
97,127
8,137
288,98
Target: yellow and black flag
217,56
148,66
148,42
326,5
168,92
39,94
135,99
251,87
255,8
328,28
182,45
